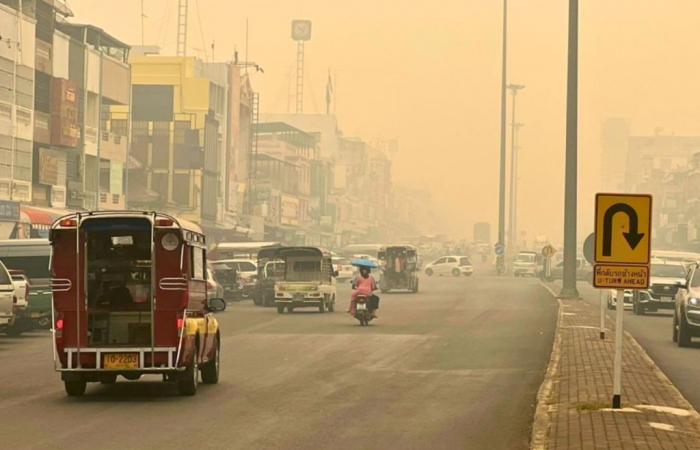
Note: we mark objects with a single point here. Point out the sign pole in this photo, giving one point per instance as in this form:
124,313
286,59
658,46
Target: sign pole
602,313
617,363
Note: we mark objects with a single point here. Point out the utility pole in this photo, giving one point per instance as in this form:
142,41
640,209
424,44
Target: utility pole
512,236
514,185
143,16
500,266
568,289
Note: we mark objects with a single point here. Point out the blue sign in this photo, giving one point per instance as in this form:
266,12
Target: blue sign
9,211
499,249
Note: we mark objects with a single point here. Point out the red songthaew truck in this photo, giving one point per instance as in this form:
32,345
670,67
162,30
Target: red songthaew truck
130,298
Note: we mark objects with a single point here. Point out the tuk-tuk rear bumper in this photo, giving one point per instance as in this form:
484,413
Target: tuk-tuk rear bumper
171,364
299,303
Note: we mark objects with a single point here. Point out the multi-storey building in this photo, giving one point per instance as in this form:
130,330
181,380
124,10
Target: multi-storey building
190,140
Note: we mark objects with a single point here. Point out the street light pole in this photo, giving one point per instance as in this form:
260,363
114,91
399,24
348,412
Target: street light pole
568,289
514,184
512,238
500,266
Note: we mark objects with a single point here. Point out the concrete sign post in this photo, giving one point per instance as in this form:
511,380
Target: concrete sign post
622,253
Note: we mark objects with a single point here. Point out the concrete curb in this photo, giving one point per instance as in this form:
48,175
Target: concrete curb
662,376
542,420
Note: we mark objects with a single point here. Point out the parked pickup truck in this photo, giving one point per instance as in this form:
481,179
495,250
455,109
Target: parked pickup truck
7,299
666,279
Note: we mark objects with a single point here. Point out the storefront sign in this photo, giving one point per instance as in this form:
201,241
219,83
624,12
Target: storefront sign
290,210
9,211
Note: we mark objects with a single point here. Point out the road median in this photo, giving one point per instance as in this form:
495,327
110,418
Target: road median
574,401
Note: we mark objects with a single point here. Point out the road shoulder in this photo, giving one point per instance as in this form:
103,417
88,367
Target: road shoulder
573,404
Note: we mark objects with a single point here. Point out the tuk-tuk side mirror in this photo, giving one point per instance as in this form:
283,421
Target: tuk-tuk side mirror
216,304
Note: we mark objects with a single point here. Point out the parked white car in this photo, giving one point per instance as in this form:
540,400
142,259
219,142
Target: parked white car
7,297
612,299
450,265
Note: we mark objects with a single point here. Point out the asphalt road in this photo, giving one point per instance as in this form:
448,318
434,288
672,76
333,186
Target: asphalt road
456,366
653,332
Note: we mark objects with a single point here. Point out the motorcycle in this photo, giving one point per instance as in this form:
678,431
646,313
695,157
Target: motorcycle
362,311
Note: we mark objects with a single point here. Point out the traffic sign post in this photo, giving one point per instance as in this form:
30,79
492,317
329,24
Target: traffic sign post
548,251
622,252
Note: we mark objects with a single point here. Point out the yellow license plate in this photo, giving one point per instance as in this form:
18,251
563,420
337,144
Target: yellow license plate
120,361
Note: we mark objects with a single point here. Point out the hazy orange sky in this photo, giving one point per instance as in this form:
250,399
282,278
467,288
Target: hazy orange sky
428,74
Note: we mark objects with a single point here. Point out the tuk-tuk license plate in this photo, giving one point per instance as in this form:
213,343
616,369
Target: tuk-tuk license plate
120,361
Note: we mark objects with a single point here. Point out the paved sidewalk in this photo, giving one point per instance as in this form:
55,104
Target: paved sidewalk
573,403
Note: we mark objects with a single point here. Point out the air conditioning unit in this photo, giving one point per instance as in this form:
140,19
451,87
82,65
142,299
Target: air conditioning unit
22,191
58,196
5,189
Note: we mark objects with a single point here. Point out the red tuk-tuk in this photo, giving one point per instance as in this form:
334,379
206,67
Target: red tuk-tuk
130,298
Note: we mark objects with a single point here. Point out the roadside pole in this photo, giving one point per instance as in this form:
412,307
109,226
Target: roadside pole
602,313
617,362
622,252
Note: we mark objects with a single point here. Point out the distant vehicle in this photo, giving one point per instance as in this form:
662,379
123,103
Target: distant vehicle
238,250
7,294
107,268
686,315
400,268
309,280
268,275
666,277
238,277
525,263
450,265
345,270
20,300
611,298
214,288
584,271
31,257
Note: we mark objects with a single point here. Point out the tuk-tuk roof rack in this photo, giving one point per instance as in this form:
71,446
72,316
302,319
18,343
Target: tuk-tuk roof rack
191,231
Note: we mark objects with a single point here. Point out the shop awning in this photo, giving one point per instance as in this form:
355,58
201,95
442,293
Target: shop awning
40,217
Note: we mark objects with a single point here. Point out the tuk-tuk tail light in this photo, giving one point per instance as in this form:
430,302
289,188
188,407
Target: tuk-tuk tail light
67,223
59,326
164,223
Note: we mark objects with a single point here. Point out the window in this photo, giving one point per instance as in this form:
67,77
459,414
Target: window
104,175
197,269
451,260
441,261
23,160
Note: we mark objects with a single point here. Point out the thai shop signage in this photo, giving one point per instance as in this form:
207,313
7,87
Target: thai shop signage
9,211
290,210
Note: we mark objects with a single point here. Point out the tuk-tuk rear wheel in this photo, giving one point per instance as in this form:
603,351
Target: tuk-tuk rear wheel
75,388
188,379
210,370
